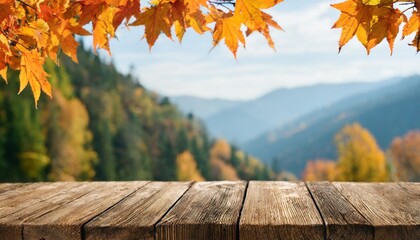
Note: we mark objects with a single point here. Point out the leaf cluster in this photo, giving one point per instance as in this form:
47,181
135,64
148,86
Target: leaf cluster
33,30
373,21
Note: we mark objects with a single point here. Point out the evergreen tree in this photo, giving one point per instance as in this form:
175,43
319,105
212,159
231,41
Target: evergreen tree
102,141
201,154
165,168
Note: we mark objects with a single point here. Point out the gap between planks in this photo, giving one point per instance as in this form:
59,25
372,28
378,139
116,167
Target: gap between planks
83,232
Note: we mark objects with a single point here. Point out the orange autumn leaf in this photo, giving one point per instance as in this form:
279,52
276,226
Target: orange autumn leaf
155,20
249,13
413,25
103,29
69,45
355,19
387,26
32,71
4,49
125,10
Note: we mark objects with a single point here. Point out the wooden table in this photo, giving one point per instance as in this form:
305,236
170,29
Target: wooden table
209,210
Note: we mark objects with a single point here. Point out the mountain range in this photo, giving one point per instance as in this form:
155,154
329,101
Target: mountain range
387,112
292,126
242,121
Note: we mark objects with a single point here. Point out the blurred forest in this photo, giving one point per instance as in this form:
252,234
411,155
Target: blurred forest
103,125
360,159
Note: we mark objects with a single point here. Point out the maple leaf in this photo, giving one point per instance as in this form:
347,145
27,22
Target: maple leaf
155,19
413,25
37,30
228,28
69,45
195,5
32,71
197,21
184,19
177,15
126,9
4,52
248,12
355,19
103,29
387,26
264,30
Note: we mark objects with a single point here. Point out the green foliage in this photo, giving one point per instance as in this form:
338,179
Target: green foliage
22,142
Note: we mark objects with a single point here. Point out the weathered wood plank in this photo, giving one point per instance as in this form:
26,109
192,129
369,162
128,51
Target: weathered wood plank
341,219
22,191
25,199
66,221
394,212
208,210
6,187
411,187
136,216
11,225
279,210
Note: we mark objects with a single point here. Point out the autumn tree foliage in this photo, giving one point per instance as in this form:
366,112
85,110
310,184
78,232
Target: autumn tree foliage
220,164
359,156
229,163
320,170
405,154
187,168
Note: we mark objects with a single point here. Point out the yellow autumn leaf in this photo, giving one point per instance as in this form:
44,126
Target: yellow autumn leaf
103,29
4,52
32,72
229,29
37,30
413,24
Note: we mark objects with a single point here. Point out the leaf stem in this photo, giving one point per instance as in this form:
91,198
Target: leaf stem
27,5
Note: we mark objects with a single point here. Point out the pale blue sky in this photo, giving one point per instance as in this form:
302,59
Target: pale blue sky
306,54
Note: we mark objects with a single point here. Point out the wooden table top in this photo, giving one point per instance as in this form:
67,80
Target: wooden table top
209,210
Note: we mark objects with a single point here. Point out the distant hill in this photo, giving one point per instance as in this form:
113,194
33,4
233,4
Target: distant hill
252,118
387,112
202,107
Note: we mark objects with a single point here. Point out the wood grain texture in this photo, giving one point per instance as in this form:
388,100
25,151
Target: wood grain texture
280,210
135,217
24,197
66,221
208,210
6,187
342,220
392,210
22,191
411,187
11,225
